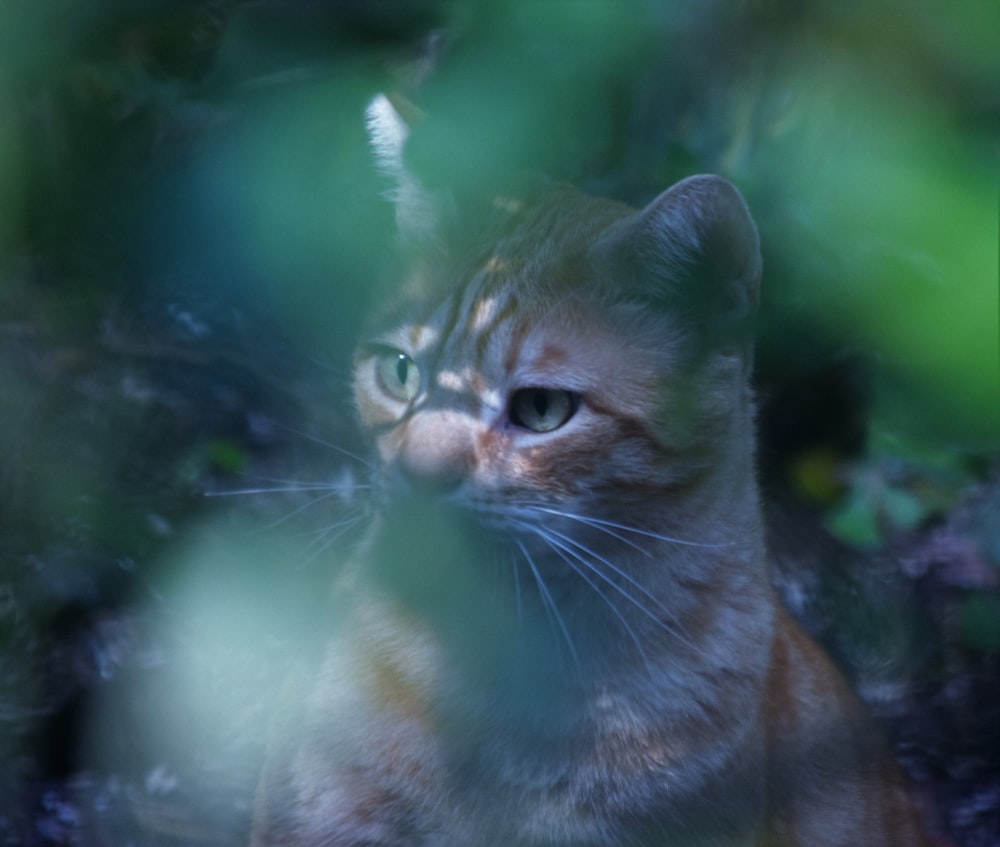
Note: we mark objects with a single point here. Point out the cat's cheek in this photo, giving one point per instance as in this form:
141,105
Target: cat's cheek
516,461
374,411
544,469
498,468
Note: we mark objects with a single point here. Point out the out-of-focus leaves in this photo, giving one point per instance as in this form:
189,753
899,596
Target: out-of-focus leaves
11,174
900,247
980,622
898,485
874,507
816,475
527,85
857,521
227,456
170,172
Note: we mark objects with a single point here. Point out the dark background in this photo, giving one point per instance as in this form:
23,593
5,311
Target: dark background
191,230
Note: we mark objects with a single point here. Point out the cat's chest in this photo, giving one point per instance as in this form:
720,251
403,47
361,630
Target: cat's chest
552,763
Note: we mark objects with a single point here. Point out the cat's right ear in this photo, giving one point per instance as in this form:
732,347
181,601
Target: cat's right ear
418,211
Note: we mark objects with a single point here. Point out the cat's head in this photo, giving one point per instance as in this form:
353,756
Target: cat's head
592,358
574,388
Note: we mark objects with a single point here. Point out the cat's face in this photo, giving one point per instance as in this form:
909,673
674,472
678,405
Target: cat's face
545,374
559,394
492,398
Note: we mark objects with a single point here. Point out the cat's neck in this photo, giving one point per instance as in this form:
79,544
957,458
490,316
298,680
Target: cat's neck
694,627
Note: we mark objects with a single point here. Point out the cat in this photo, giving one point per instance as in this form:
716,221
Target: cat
559,629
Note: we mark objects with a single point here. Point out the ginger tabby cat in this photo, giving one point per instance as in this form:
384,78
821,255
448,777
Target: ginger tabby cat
560,628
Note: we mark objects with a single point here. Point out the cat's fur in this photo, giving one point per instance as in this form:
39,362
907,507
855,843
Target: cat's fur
568,637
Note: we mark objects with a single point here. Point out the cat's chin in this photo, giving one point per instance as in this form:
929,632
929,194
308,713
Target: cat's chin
438,541
472,568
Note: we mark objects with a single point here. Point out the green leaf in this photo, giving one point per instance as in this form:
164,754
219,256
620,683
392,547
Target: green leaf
856,522
979,620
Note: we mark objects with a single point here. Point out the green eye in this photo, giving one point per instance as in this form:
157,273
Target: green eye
542,409
399,375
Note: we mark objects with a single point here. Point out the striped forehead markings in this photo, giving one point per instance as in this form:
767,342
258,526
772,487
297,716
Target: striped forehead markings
421,337
476,313
452,315
464,330
483,311
490,331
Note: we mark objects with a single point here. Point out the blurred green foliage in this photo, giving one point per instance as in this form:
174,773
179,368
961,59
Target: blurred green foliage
900,484
182,181
176,175
980,622
227,137
187,203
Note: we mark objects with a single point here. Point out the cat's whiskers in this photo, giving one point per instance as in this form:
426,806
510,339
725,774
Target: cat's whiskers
350,509
571,559
343,490
581,553
325,537
603,529
518,603
343,451
607,527
313,502
605,570
289,487
549,604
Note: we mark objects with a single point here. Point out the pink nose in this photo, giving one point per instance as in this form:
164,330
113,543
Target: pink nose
429,472
435,454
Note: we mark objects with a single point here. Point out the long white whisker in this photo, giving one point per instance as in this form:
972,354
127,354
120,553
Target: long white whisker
600,523
290,488
312,502
549,603
315,439
517,590
671,626
595,525
327,536
566,546
568,557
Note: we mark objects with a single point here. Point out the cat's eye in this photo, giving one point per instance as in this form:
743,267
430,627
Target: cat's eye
399,375
542,409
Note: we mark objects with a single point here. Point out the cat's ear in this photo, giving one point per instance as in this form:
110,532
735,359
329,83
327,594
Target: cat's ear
418,211
695,251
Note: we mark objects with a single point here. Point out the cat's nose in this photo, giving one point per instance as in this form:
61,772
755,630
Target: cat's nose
432,471
435,454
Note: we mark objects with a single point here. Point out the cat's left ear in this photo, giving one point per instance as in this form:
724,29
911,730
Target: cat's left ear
418,211
694,250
